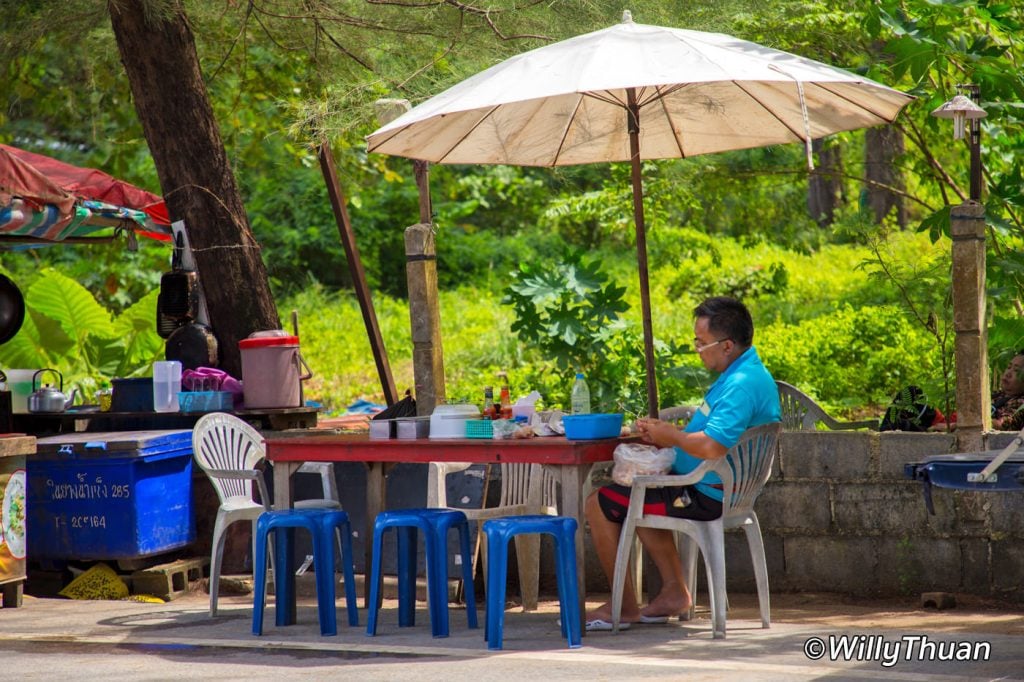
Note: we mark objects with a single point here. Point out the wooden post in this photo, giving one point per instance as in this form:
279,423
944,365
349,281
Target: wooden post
355,267
421,278
422,170
973,388
424,317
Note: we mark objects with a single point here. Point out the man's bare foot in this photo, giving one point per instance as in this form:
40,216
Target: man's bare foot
667,605
604,612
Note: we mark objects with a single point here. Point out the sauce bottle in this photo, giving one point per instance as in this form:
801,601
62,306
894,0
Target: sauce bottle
505,407
490,411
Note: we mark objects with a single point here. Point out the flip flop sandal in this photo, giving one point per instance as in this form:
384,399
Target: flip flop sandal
602,625
653,620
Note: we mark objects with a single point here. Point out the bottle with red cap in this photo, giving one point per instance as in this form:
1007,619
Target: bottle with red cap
505,399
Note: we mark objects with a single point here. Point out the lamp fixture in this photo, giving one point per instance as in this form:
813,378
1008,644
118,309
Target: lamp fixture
960,109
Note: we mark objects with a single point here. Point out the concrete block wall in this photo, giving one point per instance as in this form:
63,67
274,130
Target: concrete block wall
839,515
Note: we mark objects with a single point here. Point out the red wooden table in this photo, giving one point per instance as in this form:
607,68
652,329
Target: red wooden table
570,460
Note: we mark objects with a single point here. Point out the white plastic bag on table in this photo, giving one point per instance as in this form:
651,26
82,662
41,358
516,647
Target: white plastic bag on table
637,459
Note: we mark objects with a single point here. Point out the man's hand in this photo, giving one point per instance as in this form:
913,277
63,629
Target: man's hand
666,435
657,432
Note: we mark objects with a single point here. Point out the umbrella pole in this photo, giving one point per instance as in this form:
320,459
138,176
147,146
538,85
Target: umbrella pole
633,121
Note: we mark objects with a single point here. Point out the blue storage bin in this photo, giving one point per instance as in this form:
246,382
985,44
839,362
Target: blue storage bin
592,426
123,495
132,395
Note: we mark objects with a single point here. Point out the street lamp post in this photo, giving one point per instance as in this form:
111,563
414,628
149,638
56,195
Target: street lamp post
967,230
963,108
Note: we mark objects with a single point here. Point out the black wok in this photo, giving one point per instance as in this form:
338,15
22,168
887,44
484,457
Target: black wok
12,309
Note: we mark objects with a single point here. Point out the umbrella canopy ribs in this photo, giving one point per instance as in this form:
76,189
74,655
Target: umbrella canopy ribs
633,92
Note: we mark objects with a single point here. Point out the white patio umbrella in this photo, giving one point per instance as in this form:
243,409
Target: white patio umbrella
633,92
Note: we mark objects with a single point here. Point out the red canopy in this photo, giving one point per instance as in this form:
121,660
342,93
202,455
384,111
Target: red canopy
42,179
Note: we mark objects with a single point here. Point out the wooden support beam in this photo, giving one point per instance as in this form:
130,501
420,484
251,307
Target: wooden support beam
355,267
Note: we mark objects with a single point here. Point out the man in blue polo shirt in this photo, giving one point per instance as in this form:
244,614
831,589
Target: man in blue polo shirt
743,396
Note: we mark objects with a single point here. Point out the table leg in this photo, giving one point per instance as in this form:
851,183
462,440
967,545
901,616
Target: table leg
376,487
283,483
574,479
283,549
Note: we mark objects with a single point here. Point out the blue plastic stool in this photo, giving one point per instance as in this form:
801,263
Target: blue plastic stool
322,524
435,524
499,532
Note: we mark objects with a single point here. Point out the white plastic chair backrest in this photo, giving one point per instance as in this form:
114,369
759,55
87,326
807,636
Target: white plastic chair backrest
746,467
524,483
677,413
225,442
799,411
327,481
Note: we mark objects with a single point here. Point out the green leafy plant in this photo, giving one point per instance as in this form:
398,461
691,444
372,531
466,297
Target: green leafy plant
566,311
569,315
66,329
925,293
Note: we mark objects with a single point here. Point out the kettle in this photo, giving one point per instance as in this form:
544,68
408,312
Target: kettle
48,398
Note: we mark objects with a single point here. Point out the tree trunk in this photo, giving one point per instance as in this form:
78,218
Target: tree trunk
825,186
162,65
881,147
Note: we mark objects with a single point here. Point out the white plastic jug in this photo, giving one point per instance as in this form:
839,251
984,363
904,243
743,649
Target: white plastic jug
166,385
19,383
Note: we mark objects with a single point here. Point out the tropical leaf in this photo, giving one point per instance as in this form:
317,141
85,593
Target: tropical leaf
70,305
141,345
53,341
937,224
25,350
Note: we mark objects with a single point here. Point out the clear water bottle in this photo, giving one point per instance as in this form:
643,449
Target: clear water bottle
580,395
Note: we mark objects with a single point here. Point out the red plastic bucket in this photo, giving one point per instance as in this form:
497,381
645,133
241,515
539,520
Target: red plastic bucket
272,370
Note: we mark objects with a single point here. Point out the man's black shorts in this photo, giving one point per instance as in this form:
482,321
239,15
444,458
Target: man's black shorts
681,502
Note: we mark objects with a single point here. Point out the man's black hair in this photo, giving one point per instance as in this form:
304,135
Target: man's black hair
728,319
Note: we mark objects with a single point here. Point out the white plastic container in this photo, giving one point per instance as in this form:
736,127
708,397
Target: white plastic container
449,421
411,428
19,383
166,385
272,369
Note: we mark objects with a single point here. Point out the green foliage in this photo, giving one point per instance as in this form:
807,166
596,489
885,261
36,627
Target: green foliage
567,311
730,223
742,284
851,357
67,329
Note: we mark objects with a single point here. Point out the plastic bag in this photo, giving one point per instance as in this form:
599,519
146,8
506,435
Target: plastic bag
406,407
637,459
99,582
502,429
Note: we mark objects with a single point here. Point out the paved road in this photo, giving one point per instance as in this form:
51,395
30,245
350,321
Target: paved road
52,639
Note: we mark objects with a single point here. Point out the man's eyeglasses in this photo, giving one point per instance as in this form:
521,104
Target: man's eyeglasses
698,348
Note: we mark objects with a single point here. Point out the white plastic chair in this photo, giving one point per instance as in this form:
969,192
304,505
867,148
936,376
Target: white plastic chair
328,483
677,413
525,489
229,451
801,413
744,470
674,415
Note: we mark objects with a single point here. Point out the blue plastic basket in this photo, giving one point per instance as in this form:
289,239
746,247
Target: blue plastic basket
479,428
592,426
206,401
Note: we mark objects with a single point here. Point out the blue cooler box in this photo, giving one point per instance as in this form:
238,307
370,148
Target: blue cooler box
117,495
